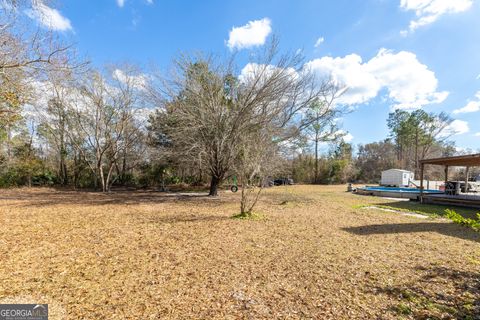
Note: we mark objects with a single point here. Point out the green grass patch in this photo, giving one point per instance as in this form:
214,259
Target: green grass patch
433,211
249,216
403,309
395,208
416,304
407,210
426,209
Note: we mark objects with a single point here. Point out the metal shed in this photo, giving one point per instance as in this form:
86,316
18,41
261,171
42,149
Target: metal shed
396,178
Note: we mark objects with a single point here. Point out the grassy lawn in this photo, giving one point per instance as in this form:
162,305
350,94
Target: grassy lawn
315,254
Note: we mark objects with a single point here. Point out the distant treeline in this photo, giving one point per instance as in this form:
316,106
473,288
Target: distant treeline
63,122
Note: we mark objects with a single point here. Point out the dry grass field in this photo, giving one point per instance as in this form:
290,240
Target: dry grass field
316,254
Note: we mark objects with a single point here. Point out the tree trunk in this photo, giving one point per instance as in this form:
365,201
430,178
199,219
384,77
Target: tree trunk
416,153
9,146
63,166
76,173
63,153
316,160
65,173
124,167
102,178
109,182
214,183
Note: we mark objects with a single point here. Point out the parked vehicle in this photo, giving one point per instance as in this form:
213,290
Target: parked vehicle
455,187
283,181
268,182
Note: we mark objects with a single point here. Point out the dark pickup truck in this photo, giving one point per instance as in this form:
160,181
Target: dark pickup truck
283,181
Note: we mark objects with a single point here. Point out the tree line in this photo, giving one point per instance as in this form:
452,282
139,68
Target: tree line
63,122
413,135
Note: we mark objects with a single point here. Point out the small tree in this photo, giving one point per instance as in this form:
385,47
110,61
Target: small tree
324,115
256,160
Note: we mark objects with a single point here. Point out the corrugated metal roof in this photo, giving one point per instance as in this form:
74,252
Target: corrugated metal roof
470,160
397,170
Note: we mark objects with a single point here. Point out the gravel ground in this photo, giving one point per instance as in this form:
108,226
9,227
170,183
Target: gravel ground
316,255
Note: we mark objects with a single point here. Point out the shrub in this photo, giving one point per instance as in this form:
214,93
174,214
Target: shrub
455,217
9,178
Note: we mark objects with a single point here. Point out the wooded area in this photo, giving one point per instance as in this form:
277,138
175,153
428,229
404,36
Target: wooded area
63,122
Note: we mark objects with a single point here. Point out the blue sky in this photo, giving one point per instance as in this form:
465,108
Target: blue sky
391,53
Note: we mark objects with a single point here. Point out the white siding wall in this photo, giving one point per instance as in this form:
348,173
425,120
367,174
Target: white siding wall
394,177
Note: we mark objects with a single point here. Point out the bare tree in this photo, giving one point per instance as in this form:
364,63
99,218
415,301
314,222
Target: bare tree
197,124
22,47
27,55
207,107
104,124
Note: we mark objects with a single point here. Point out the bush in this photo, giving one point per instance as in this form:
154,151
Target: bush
17,176
471,223
45,178
9,178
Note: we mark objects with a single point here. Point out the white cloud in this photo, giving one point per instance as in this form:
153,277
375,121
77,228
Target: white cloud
44,91
457,127
254,33
121,3
477,134
428,11
319,42
350,71
250,72
410,84
76,101
139,81
141,115
471,106
461,150
48,17
348,137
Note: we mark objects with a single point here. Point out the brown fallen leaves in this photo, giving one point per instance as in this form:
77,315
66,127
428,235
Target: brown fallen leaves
148,255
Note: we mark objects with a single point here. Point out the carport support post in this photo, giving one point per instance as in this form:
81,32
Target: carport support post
446,176
466,179
421,182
